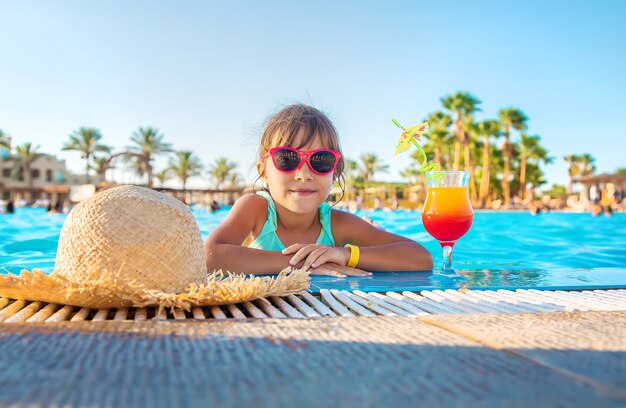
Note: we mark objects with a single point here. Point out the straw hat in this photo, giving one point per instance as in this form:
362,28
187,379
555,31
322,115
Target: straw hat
133,246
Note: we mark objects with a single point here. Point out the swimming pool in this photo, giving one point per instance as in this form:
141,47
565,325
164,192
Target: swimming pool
502,250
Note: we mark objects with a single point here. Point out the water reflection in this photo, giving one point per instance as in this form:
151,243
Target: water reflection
477,279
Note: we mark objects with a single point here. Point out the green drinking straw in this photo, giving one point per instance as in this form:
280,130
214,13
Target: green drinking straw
412,135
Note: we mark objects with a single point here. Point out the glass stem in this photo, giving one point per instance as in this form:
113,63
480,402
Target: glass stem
447,259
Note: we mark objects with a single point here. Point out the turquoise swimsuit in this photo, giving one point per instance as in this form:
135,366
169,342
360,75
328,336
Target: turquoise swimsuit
269,241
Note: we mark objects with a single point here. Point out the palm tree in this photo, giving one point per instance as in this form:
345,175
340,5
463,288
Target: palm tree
25,155
587,164
370,165
148,142
234,180
354,181
185,164
100,166
135,164
529,149
86,141
162,176
486,129
534,175
438,135
572,169
510,118
470,133
5,142
220,171
411,174
460,105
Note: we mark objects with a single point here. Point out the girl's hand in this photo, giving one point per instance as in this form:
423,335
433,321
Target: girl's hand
315,255
340,271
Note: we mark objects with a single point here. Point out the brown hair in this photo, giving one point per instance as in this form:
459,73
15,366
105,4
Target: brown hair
282,130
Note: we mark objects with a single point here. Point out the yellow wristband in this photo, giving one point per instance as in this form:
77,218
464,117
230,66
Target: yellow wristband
355,253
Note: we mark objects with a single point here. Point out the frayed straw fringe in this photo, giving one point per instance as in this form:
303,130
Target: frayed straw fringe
103,291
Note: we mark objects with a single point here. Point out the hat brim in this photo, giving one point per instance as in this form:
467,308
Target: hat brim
101,291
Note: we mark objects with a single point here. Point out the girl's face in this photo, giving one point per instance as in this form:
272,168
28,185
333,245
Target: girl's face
300,191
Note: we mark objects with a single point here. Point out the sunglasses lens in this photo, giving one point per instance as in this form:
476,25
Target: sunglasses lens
323,162
286,160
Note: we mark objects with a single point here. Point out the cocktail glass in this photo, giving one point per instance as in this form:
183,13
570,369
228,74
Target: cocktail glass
447,213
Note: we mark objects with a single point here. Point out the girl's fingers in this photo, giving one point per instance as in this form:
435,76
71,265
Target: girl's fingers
292,248
322,259
346,270
356,272
314,256
301,254
332,269
330,272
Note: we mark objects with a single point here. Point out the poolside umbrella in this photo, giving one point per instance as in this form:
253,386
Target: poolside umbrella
133,247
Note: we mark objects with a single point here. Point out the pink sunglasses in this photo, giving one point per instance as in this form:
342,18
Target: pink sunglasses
288,159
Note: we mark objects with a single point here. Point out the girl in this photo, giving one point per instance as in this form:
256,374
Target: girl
289,223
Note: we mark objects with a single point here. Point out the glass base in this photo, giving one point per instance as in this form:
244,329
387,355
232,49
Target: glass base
449,273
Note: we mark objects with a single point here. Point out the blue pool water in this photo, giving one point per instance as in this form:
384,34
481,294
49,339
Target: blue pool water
503,249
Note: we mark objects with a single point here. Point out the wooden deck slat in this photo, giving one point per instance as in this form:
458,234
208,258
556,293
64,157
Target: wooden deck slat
141,313
101,315
447,303
350,304
11,309
462,299
217,313
368,304
235,312
568,303
346,303
198,313
286,308
527,301
25,313
407,309
82,314
302,307
498,303
406,304
532,302
427,304
493,305
316,304
514,304
593,300
387,308
43,314
60,315
254,311
607,294
179,314
420,302
270,309
332,303
121,314
559,298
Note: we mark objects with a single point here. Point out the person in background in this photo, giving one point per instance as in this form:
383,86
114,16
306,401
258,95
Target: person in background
214,206
10,207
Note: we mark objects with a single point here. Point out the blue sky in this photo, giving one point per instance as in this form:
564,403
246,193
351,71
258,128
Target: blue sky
208,74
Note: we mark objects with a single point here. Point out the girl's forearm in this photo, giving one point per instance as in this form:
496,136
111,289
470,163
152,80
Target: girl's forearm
399,256
240,259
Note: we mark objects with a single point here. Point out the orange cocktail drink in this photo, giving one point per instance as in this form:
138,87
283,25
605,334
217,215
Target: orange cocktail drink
447,213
